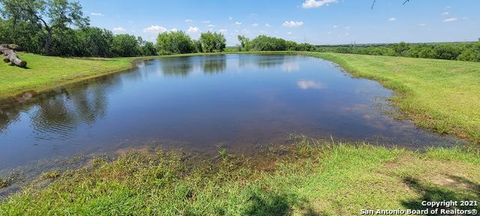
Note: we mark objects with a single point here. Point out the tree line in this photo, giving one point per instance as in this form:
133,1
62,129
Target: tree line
267,43
463,51
178,42
59,27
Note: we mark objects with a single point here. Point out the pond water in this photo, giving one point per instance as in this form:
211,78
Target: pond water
199,103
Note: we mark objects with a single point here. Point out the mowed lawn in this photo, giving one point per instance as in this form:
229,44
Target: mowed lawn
45,73
437,94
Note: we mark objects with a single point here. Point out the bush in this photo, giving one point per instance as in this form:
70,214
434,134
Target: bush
212,42
174,43
148,49
95,42
447,51
450,51
266,43
471,53
125,45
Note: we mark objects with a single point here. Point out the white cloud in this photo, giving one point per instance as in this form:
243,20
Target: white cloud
211,26
155,29
309,84
451,19
223,30
96,14
317,3
255,24
267,25
446,13
188,20
335,26
422,24
193,29
292,24
238,23
173,30
289,33
230,18
391,19
206,21
119,30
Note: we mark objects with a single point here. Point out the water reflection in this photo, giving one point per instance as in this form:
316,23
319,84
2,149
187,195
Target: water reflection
237,100
57,114
310,84
283,62
176,67
214,64
7,116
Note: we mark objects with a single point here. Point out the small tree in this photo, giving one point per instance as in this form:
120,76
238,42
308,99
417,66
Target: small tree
266,43
212,42
148,49
125,45
174,43
95,42
244,43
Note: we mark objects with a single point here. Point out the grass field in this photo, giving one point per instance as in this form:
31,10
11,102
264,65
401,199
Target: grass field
436,94
313,178
45,73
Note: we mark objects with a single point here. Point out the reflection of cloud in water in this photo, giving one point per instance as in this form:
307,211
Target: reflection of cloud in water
310,84
290,66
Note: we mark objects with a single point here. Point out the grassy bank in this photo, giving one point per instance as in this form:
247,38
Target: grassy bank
45,72
437,94
311,178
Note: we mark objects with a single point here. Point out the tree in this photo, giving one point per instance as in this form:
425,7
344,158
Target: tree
447,51
212,42
94,41
176,42
125,45
244,43
50,16
198,46
401,48
472,53
27,35
266,43
148,49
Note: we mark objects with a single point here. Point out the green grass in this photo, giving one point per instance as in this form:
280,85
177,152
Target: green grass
308,179
45,73
436,94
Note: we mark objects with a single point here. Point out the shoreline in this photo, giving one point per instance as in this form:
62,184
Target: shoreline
424,118
306,177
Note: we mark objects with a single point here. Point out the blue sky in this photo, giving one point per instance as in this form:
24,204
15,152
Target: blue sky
313,21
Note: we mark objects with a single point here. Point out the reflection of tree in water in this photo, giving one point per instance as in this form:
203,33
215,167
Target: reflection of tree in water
63,112
7,117
214,64
178,67
261,61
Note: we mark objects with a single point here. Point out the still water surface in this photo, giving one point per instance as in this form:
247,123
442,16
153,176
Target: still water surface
202,102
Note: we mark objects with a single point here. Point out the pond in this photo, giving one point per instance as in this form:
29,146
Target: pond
199,103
